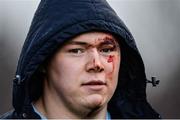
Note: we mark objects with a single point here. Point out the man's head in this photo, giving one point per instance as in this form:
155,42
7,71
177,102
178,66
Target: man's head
83,74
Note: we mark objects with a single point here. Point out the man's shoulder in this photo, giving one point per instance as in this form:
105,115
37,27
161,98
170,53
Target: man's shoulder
8,115
13,114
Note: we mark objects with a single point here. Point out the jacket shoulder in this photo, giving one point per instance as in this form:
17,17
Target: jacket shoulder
9,115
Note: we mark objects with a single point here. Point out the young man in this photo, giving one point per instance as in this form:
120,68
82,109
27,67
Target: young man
79,61
81,78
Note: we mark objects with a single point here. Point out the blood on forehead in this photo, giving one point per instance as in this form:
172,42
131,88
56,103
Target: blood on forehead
108,40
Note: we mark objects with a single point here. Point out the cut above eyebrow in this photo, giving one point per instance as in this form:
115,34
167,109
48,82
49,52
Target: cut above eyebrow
107,42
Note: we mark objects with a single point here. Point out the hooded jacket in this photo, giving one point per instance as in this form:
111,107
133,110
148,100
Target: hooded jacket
57,21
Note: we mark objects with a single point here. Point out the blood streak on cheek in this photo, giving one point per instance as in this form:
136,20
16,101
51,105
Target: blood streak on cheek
111,60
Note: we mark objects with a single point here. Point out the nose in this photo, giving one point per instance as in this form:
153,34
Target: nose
94,63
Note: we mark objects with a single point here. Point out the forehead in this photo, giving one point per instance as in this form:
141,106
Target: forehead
94,37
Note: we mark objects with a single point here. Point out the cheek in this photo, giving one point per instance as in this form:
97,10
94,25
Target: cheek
64,71
112,63
112,75
110,58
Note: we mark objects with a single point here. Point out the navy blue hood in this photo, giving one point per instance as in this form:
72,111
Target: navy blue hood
57,21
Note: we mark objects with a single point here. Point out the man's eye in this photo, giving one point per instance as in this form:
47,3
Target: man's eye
107,50
76,50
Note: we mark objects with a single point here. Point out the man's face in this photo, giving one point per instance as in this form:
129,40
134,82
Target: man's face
83,74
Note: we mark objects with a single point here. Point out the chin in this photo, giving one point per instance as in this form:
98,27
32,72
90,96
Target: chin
95,101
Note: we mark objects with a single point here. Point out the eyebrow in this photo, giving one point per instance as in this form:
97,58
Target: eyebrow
105,41
108,42
78,43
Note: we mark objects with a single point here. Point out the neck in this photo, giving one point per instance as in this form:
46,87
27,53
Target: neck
52,107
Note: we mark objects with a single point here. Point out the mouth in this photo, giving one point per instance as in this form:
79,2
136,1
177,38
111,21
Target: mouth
95,85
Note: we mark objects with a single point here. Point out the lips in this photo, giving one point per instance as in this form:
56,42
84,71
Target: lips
94,83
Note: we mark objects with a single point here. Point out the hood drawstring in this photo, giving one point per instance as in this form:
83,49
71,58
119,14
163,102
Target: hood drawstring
153,81
18,92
